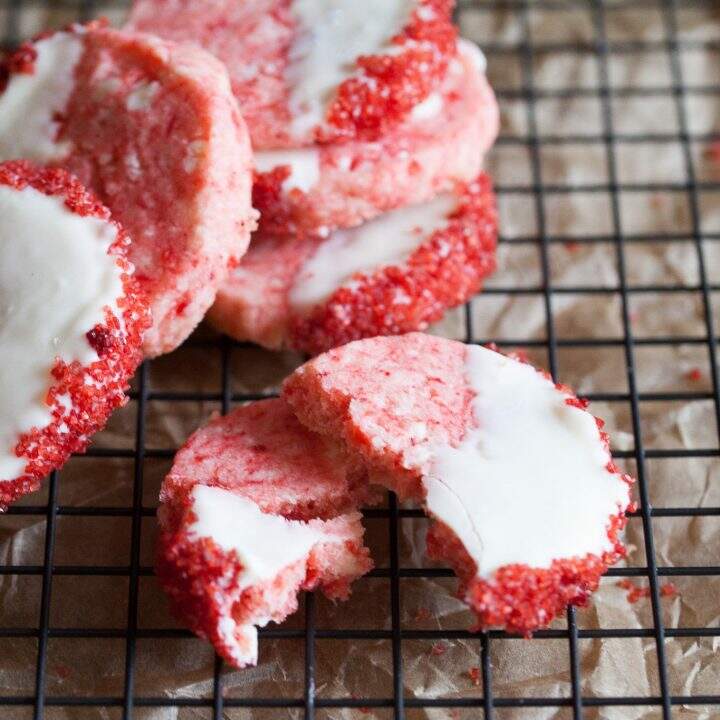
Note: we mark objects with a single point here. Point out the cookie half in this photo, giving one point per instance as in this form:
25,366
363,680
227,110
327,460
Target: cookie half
255,509
527,502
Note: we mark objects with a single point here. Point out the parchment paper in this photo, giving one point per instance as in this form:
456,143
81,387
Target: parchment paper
180,667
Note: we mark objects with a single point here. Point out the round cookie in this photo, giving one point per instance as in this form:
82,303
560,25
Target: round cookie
255,509
154,130
527,502
313,70
444,141
71,322
396,273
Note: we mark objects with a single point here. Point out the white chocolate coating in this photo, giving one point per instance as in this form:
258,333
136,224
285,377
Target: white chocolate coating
331,35
529,483
304,165
265,544
388,239
28,128
56,278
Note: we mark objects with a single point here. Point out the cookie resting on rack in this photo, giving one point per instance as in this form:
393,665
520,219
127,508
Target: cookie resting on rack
444,141
396,273
255,509
315,70
517,475
71,322
153,129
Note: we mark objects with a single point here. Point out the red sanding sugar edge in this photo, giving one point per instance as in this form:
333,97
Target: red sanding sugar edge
204,582
389,86
81,397
445,271
522,599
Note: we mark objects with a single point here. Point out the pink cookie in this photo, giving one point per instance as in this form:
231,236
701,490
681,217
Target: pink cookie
527,502
154,130
255,509
71,322
307,71
396,273
316,189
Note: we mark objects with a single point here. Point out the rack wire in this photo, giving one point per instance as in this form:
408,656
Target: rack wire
523,51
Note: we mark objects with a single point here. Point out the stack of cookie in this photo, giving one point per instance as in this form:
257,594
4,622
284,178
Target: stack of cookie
369,126
125,197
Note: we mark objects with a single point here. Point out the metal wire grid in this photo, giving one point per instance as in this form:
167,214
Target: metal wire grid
525,50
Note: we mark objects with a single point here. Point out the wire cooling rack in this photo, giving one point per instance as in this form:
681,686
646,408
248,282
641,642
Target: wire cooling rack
20,18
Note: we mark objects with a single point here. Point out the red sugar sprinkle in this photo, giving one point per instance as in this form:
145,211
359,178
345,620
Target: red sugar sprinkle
94,390
474,674
572,246
438,648
658,201
267,192
694,375
422,614
363,709
63,671
520,354
388,87
637,592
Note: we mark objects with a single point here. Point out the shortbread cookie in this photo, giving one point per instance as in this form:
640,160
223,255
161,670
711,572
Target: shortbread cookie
71,322
255,509
396,273
527,502
443,142
315,70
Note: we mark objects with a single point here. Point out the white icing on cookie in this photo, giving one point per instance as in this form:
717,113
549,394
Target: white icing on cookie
31,101
330,36
265,544
56,278
529,483
304,166
386,240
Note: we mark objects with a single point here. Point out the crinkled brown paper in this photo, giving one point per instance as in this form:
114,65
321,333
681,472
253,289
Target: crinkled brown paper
183,667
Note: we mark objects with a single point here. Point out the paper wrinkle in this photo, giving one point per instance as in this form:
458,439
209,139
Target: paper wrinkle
183,667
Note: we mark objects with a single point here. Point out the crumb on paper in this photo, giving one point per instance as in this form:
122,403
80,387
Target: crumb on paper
712,152
438,648
637,592
422,614
474,674
658,201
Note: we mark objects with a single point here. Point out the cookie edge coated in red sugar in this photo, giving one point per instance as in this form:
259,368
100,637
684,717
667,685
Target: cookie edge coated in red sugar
198,576
523,599
443,272
118,346
386,87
